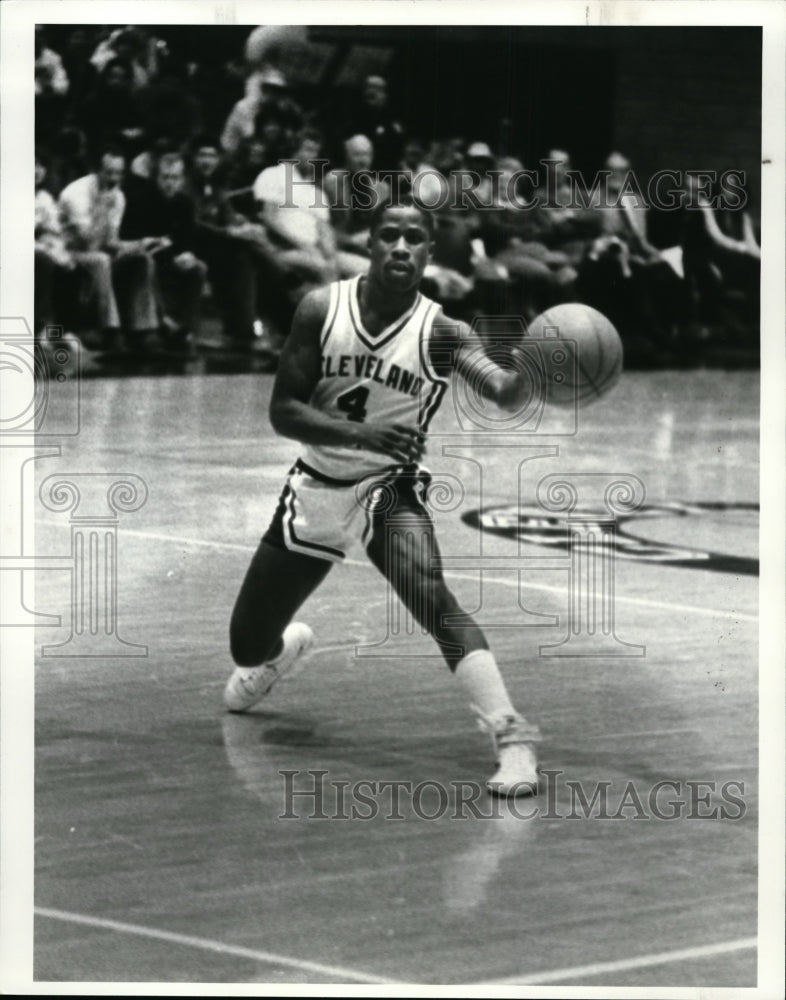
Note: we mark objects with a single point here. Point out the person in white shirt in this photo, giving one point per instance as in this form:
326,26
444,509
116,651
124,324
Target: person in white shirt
91,210
296,215
51,254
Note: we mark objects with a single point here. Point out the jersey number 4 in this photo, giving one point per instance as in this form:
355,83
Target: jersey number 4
353,403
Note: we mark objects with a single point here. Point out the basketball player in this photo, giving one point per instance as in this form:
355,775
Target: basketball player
357,386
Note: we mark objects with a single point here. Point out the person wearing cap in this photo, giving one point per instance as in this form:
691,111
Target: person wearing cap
267,86
480,160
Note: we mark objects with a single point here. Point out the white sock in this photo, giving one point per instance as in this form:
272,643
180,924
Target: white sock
480,677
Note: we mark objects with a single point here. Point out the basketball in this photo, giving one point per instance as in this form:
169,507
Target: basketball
592,362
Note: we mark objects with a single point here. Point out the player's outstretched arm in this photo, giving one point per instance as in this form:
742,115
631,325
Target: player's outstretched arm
508,388
299,369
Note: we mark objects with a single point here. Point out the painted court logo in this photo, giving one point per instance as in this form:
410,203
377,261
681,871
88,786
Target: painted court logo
538,527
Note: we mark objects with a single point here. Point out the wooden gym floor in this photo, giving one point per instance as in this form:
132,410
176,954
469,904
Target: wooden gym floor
160,854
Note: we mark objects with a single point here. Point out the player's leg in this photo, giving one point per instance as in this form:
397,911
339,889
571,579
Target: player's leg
264,641
276,584
404,549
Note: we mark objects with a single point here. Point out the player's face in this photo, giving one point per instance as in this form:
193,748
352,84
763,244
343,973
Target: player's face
399,248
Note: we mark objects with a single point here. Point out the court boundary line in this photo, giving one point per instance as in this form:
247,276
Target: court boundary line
624,964
208,944
620,598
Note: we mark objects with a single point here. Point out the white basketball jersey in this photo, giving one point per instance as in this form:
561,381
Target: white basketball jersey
384,377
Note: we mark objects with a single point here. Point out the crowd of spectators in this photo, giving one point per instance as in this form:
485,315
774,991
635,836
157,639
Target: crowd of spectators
156,205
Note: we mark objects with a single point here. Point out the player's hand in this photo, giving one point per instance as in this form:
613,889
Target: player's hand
405,444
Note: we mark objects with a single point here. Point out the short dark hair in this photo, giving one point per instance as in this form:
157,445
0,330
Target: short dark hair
205,142
403,201
309,133
112,148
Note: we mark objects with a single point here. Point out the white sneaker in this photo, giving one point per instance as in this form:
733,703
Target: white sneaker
248,685
517,763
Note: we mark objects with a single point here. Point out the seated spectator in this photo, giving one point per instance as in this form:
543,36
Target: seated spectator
565,227
351,207
135,49
480,161
237,253
82,74
264,89
51,87
168,109
251,158
276,125
70,158
447,155
722,262
295,214
50,76
164,213
91,211
458,247
145,164
52,258
112,111
373,117
535,277
420,176
623,275
207,185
